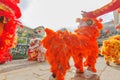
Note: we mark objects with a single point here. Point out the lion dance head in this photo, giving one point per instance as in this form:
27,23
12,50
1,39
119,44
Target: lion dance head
9,13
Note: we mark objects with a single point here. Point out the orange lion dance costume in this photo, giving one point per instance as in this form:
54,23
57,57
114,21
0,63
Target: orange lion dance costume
62,45
9,12
111,49
88,33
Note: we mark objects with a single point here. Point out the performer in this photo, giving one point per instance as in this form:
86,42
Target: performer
62,45
9,13
110,48
57,53
115,4
36,50
88,32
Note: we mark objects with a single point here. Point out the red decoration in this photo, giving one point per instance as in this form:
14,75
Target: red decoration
115,4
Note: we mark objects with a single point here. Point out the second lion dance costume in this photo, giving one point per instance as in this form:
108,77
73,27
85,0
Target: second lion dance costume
9,13
36,51
61,45
110,48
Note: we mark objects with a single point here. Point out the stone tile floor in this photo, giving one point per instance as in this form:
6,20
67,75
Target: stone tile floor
25,70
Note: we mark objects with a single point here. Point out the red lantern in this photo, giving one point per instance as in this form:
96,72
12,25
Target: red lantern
117,27
107,31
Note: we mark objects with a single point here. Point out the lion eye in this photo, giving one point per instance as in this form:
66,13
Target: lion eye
89,22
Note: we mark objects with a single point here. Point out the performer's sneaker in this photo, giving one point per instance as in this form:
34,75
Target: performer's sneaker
92,69
117,62
79,71
89,75
79,75
52,78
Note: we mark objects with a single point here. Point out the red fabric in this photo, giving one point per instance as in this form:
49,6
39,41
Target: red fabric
18,1
6,14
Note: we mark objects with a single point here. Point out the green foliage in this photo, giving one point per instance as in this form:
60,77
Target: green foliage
20,41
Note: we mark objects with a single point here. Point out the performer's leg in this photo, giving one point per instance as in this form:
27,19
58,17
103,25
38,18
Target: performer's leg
90,62
43,56
78,60
39,57
92,57
58,72
107,59
52,77
116,59
59,66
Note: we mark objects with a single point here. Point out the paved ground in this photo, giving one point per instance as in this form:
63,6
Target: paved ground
25,70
